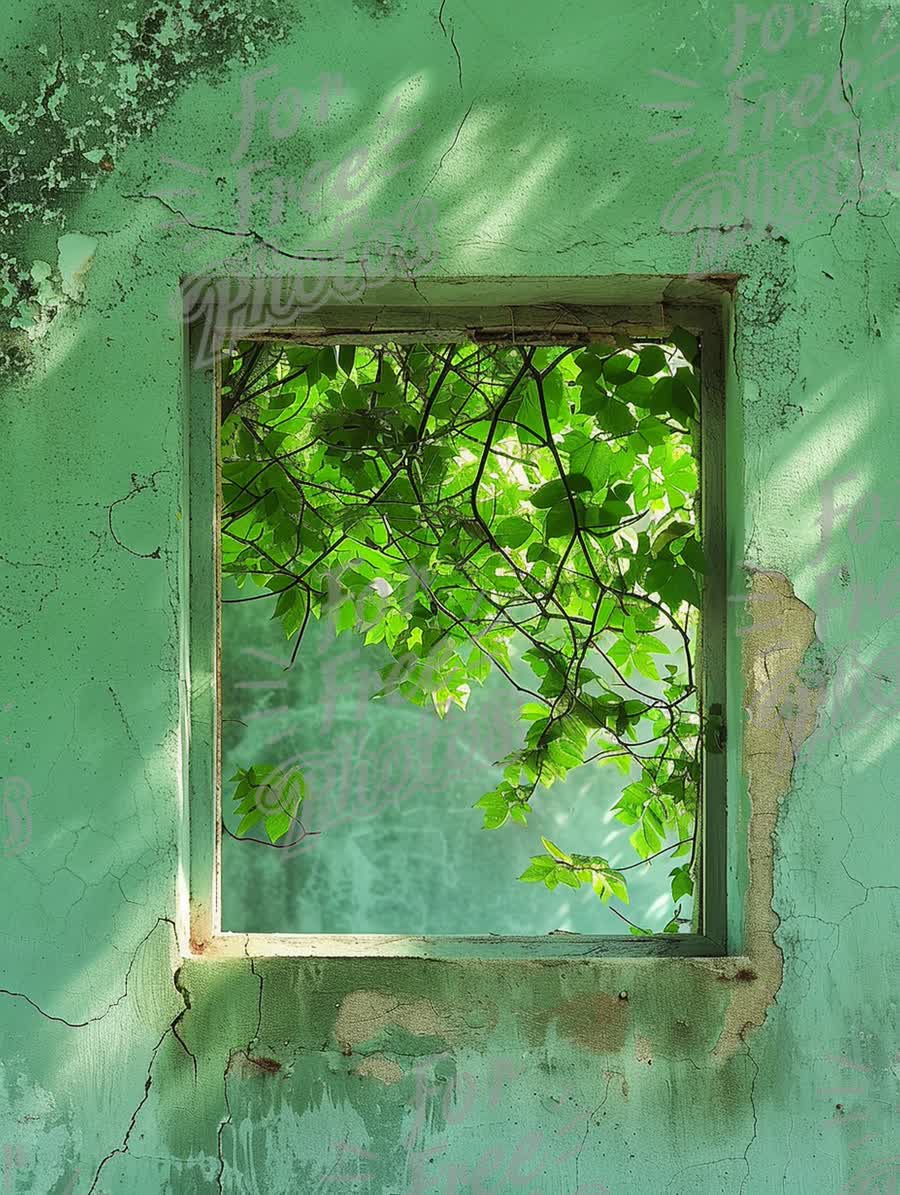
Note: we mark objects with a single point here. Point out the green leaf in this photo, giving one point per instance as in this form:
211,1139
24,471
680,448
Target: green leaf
672,398
682,884
246,823
683,475
592,459
560,519
513,532
693,556
653,431
345,617
564,876
277,825
555,491
685,342
669,533
636,391
608,883
346,357
653,360
538,869
496,810
327,362
613,415
680,586
532,711
555,851
618,368
352,397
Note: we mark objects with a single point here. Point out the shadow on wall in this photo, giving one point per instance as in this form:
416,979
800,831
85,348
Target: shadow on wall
99,750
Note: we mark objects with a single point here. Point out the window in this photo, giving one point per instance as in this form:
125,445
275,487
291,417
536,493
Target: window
455,568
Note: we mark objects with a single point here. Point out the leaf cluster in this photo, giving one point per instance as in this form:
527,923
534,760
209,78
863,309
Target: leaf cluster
466,508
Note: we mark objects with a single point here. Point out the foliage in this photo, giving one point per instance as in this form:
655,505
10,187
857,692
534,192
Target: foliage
474,507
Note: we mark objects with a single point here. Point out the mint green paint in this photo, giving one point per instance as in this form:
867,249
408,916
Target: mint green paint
534,145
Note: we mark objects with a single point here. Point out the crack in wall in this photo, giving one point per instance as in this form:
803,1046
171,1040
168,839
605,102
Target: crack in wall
137,487
174,1028
452,40
849,101
93,1020
251,233
148,1083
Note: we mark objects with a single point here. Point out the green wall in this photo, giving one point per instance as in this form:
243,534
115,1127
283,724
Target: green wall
528,150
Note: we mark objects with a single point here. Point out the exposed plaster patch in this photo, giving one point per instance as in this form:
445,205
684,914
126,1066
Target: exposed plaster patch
37,1139
36,297
363,1015
781,715
643,1049
377,1066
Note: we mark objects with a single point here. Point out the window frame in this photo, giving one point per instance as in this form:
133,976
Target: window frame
701,310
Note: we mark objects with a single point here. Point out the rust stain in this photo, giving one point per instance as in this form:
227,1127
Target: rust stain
596,1022
255,1064
268,1066
742,975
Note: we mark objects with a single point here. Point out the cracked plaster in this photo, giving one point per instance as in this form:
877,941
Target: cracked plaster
128,1068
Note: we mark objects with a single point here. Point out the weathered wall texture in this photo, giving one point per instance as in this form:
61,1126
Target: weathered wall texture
551,141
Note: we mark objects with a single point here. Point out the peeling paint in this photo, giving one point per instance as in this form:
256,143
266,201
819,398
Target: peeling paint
90,106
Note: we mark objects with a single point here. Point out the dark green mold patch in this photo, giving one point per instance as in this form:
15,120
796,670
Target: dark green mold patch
815,669
15,353
376,8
